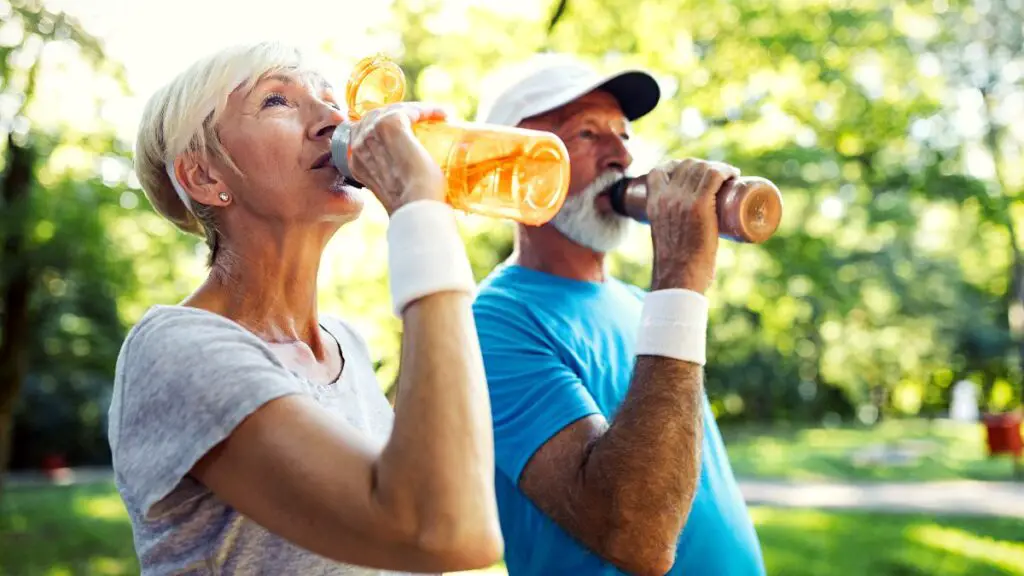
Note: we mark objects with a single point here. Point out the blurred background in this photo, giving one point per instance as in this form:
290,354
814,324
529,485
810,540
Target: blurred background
865,363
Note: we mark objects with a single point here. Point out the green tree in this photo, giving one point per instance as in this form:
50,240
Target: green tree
978,47
39,27
64,267
864,302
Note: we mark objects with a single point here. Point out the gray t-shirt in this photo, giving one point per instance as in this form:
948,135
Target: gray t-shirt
185,379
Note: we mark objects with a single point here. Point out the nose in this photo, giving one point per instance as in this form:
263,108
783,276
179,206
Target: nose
616,156
328,120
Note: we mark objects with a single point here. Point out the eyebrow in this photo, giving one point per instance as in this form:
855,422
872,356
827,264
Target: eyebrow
320,82
589,119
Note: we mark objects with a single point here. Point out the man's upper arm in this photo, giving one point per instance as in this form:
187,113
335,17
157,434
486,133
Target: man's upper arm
534,394
545,420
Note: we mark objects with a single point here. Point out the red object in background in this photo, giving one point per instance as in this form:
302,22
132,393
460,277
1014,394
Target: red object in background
55,466
52,463
1004,434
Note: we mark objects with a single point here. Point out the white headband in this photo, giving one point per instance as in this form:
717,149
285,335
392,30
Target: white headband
178,188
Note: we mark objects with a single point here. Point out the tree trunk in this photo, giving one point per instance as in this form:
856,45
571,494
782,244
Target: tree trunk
1015,303
1016,312
15,289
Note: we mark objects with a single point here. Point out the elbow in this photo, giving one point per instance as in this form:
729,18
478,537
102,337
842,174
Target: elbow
635,552
451,531
645,564
461,545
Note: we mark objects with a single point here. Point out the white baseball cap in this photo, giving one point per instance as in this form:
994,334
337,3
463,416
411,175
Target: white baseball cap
553,80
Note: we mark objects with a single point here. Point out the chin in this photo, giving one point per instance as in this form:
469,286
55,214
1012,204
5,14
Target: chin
584,220
344,203
340,188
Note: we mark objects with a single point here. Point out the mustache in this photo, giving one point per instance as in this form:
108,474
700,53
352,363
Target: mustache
602,184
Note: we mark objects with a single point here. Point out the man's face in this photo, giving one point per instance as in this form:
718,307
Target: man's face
594,131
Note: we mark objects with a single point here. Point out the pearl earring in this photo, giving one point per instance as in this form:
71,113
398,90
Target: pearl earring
223,197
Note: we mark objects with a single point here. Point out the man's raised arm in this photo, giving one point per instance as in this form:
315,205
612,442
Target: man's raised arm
625,489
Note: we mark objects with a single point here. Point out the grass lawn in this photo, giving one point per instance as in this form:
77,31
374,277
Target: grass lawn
65,531
808,542
84,530
936,450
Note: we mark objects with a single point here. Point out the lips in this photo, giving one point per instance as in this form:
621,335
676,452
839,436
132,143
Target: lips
322,161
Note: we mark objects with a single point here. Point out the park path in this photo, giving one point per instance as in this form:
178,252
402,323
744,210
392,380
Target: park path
946,497
1004,499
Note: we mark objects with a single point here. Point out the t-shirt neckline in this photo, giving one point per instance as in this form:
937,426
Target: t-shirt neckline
320,322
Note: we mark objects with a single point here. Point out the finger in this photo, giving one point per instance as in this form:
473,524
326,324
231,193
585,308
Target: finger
658,180
729,170
367,155
392,124
377,159
356,145
711,182
681,172
690,179
662,173
358,166
668,166
432,113
716,176
390,137
395,132
365,124
420,112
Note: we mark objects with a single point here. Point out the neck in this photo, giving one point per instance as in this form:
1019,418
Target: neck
547,250
269,287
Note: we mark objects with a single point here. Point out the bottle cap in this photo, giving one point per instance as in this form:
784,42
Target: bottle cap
375,81
750,210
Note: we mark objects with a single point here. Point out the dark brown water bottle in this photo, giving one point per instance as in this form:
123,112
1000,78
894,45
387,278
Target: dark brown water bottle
749,208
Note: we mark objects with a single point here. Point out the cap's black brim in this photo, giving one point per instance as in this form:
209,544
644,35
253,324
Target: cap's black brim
637,92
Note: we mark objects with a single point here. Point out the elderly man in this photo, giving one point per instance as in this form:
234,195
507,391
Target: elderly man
609,459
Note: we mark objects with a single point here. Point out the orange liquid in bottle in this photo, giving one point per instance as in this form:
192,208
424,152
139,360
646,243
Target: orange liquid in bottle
495,171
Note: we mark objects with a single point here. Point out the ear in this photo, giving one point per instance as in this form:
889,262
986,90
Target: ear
201,180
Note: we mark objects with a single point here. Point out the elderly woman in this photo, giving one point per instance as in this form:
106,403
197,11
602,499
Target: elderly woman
248,431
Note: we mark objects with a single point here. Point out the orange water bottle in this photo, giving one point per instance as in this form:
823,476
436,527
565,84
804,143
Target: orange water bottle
496,171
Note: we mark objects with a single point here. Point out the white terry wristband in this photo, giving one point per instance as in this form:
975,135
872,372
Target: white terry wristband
425,253
674,324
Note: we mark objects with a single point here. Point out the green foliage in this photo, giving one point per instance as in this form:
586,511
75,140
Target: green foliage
77,329
84,275
886,273
890,278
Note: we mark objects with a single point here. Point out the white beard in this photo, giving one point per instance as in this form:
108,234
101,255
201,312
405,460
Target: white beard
580,221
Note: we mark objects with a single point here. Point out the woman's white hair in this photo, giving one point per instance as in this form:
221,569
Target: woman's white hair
181,118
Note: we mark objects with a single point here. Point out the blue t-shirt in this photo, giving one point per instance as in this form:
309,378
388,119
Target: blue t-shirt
557,350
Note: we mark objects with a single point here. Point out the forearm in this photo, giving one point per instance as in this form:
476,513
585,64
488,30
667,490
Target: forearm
647,464
437,471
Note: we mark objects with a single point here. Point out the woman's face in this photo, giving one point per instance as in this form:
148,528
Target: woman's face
278,134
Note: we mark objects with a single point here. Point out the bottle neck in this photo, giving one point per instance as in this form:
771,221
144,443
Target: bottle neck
629,198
